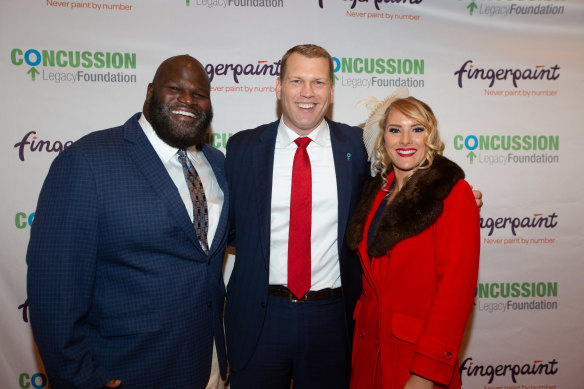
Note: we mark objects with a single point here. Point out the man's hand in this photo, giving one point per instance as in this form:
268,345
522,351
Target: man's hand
478,198
113,383
417,382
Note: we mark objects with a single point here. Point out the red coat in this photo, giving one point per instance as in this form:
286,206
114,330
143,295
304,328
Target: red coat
418,289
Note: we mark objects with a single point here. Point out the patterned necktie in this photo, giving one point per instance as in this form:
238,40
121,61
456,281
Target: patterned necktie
200,211
300,221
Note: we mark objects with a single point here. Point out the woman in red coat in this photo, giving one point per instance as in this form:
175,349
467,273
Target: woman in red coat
417,234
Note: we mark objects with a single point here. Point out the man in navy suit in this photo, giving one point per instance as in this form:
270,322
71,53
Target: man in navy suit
273,335
122,290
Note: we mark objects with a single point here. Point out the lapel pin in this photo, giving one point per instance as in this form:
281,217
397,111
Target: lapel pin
348,156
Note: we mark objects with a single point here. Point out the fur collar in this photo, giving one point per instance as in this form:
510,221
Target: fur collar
415,208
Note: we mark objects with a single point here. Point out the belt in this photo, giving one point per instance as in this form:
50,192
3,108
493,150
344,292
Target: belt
311,295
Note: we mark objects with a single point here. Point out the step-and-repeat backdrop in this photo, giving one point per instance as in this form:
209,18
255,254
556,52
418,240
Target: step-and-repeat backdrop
505,78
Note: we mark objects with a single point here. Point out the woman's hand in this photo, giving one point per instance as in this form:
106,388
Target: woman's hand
113,383
417,382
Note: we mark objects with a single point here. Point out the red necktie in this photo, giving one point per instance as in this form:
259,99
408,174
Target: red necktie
300,221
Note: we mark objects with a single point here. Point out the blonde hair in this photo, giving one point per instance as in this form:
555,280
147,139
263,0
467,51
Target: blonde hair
420,112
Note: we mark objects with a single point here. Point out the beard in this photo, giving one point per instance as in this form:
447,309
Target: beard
174,133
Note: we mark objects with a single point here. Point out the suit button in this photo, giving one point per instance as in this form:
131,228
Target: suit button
388,253
263,304
210,304
448,355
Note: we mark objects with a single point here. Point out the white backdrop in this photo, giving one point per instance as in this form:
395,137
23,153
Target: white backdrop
504,78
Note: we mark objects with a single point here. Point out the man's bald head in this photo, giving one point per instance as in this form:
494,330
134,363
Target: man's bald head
178,102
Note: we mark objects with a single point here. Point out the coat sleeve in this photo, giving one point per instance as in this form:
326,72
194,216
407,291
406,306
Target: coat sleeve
457,245
61,260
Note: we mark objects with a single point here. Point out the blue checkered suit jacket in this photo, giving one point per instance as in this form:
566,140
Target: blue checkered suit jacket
118,285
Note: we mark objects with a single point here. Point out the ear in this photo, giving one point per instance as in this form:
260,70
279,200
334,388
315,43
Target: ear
149,91
278,88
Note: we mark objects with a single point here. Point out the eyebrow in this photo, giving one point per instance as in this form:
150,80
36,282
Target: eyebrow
399,125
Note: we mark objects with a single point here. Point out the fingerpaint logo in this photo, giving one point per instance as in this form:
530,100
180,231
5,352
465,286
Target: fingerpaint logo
513,9
513,294
468,71
537,221
376,2
36,145
487,143
75,59
261,68
237,3
24,307
468,368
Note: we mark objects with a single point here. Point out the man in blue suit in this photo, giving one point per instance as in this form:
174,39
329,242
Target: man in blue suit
124,291
274,335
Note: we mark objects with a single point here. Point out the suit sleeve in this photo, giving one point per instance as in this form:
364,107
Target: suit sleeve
228,172
457,236
62,263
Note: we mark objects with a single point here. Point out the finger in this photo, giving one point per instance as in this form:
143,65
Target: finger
113,383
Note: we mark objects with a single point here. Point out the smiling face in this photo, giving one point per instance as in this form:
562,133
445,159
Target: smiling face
178,103
305,92
404,141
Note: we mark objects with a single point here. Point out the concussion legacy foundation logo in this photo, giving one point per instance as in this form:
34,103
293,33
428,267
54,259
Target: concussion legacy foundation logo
366,72
72,66
511,8
500,297
236,3
507,149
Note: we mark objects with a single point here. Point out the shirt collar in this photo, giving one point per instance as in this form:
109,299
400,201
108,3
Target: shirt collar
320,135
164,150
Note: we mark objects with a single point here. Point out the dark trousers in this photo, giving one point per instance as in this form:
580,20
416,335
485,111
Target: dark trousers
301,342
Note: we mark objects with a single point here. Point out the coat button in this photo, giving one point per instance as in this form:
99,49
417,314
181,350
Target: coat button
377,342
361,335
448,355
388,253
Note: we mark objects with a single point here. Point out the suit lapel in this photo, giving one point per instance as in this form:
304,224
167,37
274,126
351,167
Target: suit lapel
149,164
218,166
263,166
343,171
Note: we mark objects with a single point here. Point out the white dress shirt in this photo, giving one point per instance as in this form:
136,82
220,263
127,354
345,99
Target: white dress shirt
213,193
325,269
169,157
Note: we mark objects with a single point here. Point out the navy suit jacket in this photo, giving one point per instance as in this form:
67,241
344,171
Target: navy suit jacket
118,285
249,164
